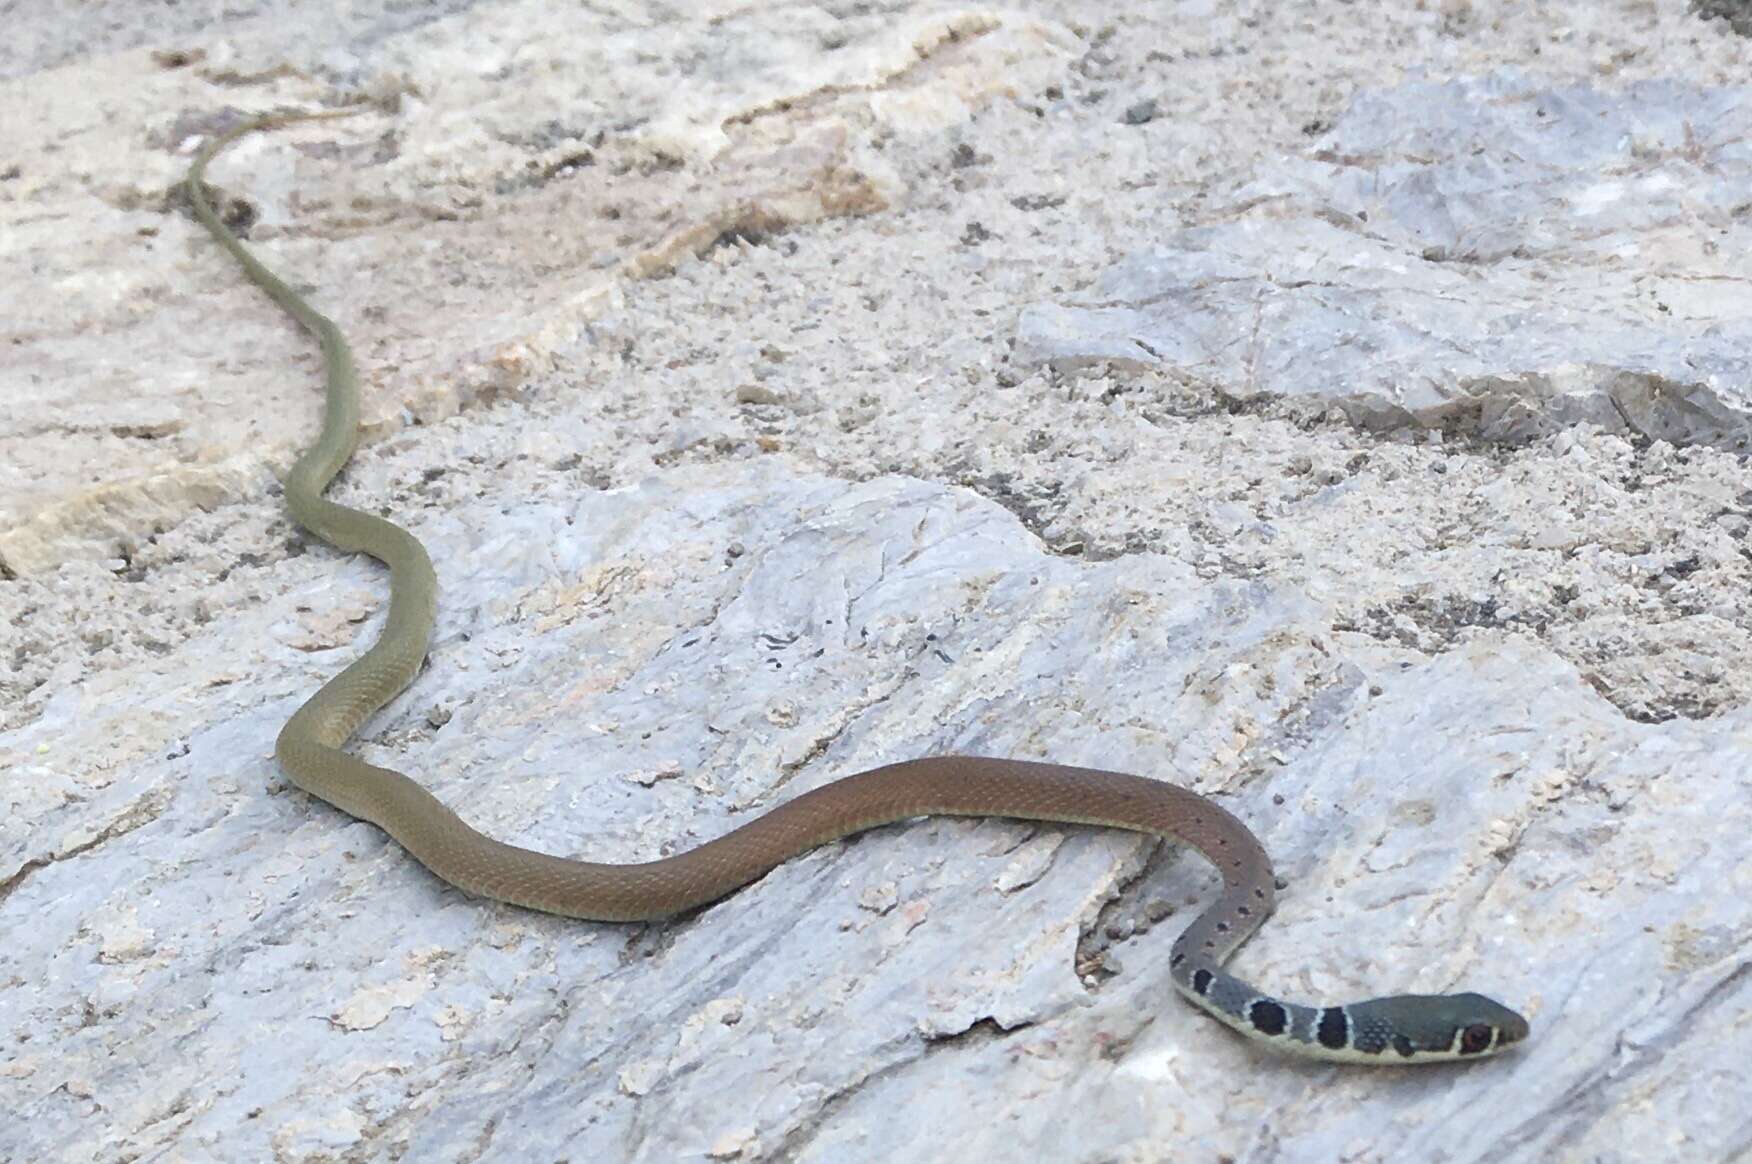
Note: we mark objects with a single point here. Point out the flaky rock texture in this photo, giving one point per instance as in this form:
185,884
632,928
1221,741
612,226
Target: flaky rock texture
1338,411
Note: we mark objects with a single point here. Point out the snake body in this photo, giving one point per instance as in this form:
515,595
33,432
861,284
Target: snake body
1398,1029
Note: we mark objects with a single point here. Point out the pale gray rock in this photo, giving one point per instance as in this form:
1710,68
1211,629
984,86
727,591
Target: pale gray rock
1495,257
686,332
1480,818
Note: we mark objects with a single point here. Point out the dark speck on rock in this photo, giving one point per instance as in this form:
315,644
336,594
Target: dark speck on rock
1141,113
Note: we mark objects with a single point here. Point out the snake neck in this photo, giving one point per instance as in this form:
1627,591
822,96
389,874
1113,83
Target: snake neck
1407,1028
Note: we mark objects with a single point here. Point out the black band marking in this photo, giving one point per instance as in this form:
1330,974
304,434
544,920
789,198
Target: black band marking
1201,981
1268,1017
1334,1028
1403,1046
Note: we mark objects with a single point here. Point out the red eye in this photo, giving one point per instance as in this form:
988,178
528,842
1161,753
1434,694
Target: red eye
1475,1038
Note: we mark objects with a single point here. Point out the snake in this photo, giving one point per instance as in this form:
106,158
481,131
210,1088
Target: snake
310,750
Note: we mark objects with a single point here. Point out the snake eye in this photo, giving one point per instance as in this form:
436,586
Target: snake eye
1475,1039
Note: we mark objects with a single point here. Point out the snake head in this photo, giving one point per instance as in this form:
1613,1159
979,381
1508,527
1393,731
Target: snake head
1429,1027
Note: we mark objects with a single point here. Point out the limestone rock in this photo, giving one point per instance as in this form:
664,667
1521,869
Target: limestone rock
688,334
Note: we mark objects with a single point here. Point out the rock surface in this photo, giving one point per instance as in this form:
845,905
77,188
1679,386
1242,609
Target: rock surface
781,393
1493,257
